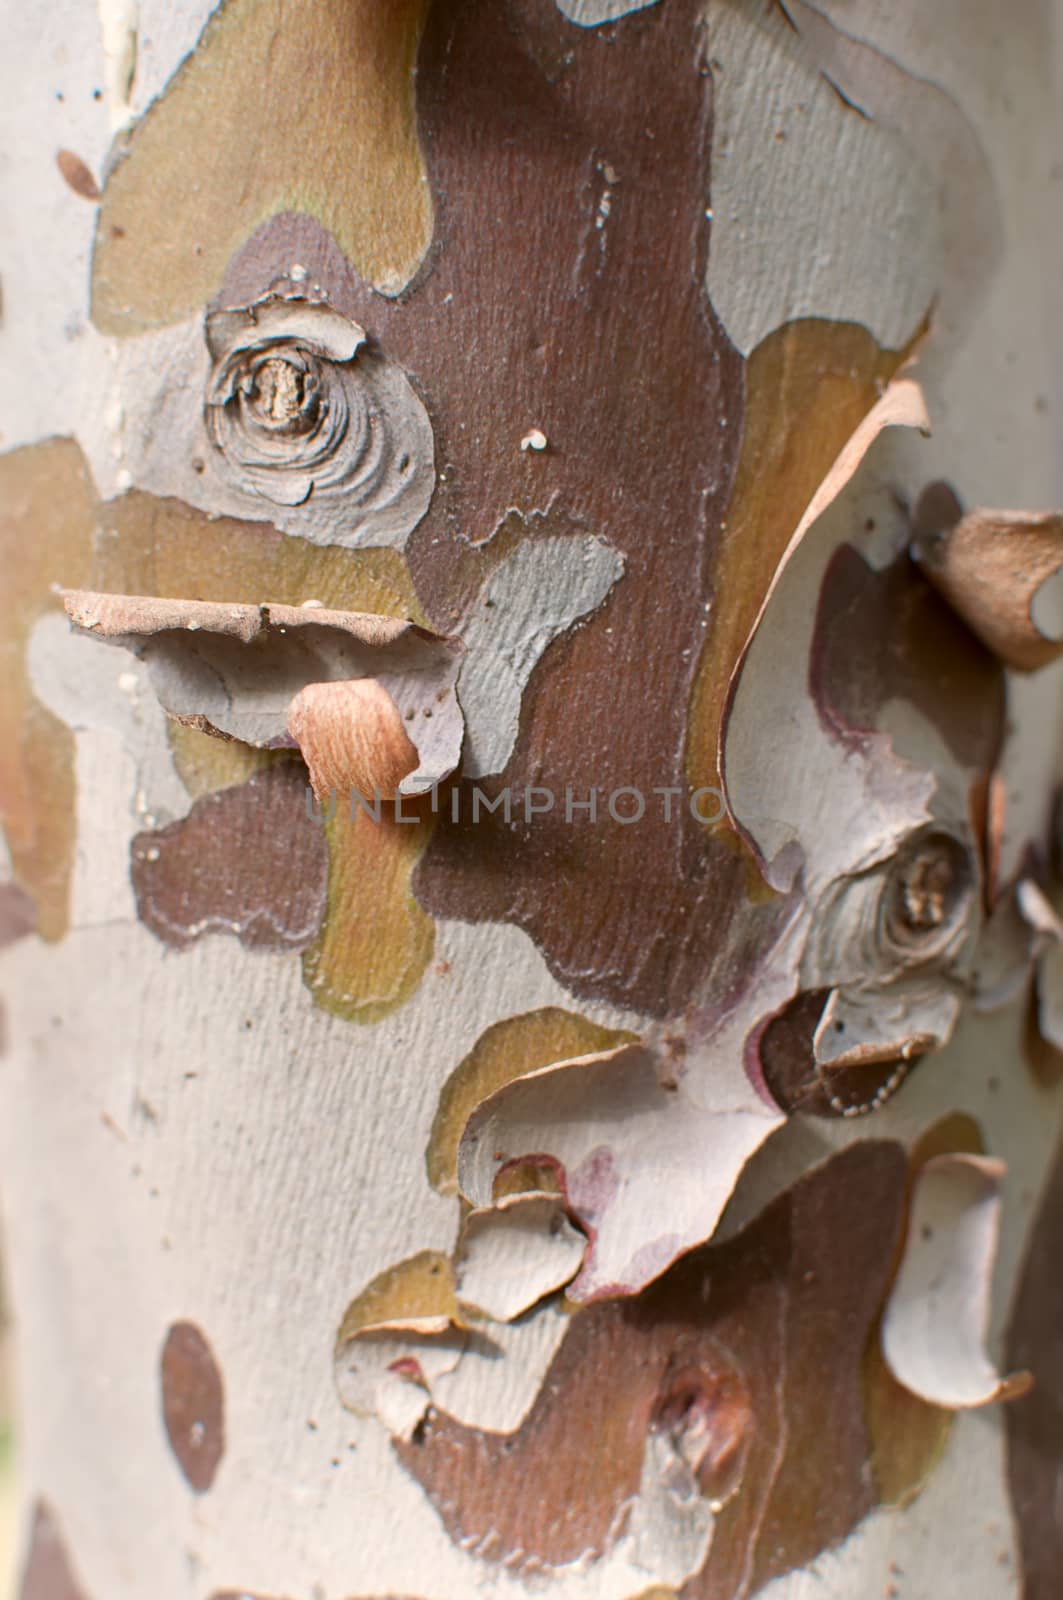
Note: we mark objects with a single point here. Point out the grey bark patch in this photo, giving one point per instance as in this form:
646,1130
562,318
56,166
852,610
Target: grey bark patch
361,473
536,594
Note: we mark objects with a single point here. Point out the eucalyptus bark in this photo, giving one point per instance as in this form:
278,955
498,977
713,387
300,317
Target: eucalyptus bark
529,746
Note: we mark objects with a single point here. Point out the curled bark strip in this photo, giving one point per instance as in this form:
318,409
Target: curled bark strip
416,1295
240,671
992,567
902,405
935,1322
352,736
908,1435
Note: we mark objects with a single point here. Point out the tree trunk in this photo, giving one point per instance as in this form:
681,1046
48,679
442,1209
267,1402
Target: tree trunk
532,988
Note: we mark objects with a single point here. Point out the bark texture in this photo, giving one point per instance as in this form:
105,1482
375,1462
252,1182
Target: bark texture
532,961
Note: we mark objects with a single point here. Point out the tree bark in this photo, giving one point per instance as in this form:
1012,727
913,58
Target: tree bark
529,758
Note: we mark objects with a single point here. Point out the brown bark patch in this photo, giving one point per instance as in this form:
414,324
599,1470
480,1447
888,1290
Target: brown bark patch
193,1404
275,109
77,175
616,358
1035,1422
763,1334
49,1573
246,860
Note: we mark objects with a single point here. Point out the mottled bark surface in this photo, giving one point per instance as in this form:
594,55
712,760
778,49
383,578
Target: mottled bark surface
475,401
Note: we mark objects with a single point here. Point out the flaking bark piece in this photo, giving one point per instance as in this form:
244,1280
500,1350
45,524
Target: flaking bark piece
404,1331
352,737
733,1386
513,1254
886,1028
901,405
415,1296
644,1170
895,944
991,566
934,1326
242,670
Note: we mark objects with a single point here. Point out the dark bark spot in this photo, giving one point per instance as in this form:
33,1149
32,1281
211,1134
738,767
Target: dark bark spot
193,1404
77,175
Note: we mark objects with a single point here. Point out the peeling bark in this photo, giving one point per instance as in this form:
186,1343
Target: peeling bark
532,981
